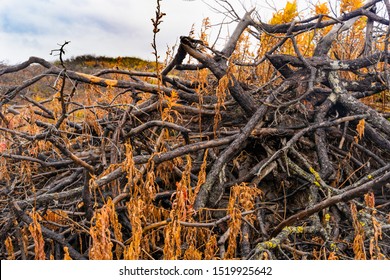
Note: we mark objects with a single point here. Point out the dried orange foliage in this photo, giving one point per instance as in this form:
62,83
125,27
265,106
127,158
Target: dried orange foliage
129,167
220,93
102,245
358,241
350,5
204,32
333,256
351,46
201,175
172,239
192,253
36,234
169,113
242,198
135,209
374,249
181,211
287,14
360,130
210,251
265,72
67,257
57,217
321,9
10,248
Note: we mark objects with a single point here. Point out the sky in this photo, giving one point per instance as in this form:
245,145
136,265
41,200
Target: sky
105,27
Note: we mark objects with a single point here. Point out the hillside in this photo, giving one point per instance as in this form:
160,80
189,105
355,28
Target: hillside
90,62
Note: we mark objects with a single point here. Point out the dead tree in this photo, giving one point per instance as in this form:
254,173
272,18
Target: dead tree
276,147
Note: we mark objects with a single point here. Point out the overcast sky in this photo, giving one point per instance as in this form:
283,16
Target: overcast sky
102,27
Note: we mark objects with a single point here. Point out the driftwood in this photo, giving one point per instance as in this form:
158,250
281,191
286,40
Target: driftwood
288,160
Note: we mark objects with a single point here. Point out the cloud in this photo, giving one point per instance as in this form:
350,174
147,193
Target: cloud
116,27
100,27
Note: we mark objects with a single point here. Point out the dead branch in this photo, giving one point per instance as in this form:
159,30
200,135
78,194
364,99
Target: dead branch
278,149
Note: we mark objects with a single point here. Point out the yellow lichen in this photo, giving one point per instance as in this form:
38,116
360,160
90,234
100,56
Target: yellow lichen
289,229
333,246
316,176
270,244
300,229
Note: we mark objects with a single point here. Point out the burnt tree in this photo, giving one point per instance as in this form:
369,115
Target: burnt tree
278,146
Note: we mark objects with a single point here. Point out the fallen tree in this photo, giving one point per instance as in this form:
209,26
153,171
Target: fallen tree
282,152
